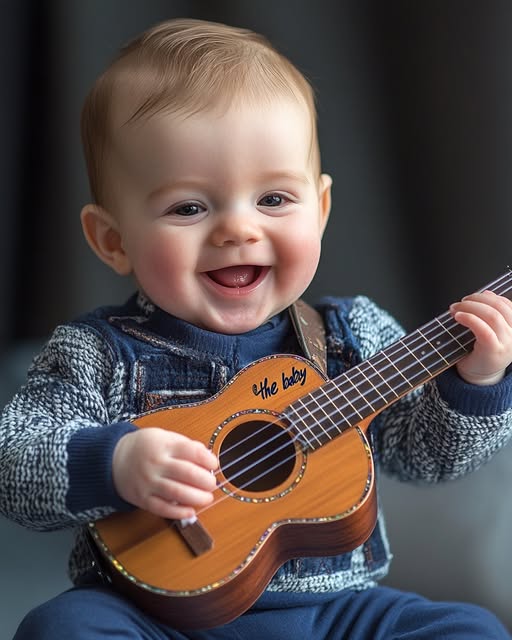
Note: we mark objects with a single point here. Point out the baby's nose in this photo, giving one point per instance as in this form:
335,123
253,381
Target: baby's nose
235,229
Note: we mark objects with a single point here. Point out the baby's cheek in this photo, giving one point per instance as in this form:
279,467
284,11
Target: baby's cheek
298,264
156,270
164,257
303,253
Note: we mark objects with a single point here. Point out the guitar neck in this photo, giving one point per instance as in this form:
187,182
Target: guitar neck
369,387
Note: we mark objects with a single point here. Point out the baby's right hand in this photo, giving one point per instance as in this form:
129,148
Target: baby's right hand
164,472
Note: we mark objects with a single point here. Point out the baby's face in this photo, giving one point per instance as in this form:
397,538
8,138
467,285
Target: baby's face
221,215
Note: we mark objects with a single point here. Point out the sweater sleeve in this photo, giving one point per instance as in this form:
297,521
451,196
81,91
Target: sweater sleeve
442,430
58,433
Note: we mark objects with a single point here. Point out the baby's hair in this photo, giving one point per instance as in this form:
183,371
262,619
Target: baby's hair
186,66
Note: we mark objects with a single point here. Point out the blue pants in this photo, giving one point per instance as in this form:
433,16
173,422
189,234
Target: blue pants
381,613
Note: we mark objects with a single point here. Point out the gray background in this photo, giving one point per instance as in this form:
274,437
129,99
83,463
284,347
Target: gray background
415,108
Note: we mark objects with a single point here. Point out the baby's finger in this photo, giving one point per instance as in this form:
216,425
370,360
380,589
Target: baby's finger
192,450
501,304
188,473
169,509
185,495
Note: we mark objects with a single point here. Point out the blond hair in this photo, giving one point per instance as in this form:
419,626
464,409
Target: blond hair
186,66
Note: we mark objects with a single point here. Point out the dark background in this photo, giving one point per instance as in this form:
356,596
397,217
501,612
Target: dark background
415,123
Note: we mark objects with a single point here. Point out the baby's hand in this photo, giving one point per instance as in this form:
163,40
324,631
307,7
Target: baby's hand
163,472
489,317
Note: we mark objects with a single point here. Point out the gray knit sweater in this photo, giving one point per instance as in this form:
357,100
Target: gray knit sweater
95,374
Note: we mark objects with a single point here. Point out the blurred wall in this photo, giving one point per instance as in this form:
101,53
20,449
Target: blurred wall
415,122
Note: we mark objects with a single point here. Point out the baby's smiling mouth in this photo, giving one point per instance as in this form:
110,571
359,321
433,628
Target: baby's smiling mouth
236,277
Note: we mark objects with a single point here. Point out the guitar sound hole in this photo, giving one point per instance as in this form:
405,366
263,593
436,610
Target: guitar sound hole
257,456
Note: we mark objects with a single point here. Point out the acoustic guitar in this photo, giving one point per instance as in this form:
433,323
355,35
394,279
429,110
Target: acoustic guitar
295,478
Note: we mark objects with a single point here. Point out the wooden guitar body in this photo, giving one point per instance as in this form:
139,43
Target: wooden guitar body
277,499
296,477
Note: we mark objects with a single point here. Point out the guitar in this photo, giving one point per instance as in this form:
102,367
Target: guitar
295,478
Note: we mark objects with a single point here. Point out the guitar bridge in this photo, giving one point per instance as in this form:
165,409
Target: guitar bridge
195,536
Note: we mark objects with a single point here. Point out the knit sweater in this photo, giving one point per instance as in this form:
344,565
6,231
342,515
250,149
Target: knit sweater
97,373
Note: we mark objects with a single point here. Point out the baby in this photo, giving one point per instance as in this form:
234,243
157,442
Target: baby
202,152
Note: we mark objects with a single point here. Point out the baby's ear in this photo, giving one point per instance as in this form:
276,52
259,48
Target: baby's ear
102,233
324,199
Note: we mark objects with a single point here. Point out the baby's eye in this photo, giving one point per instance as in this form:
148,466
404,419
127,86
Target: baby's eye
187,209
272,200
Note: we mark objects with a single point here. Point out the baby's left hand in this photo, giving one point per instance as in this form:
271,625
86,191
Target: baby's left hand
489,317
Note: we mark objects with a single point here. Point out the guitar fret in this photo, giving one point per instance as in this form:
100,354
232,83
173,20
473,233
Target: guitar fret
387,387
362,383
417,360
310,425
397,372
443,343
323,415
316,418
334,427
377,399
355,399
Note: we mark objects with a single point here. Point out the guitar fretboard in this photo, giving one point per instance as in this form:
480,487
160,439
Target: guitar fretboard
385,377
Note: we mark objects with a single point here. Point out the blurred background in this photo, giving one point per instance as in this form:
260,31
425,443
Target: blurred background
415,125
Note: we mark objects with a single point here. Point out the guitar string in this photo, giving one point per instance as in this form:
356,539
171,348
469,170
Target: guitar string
392,350
267,471
444,330
334,391
259,461
398,348
276,450
377,388
293,424
305,405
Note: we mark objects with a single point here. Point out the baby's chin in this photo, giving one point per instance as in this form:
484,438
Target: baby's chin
232,328
235,323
